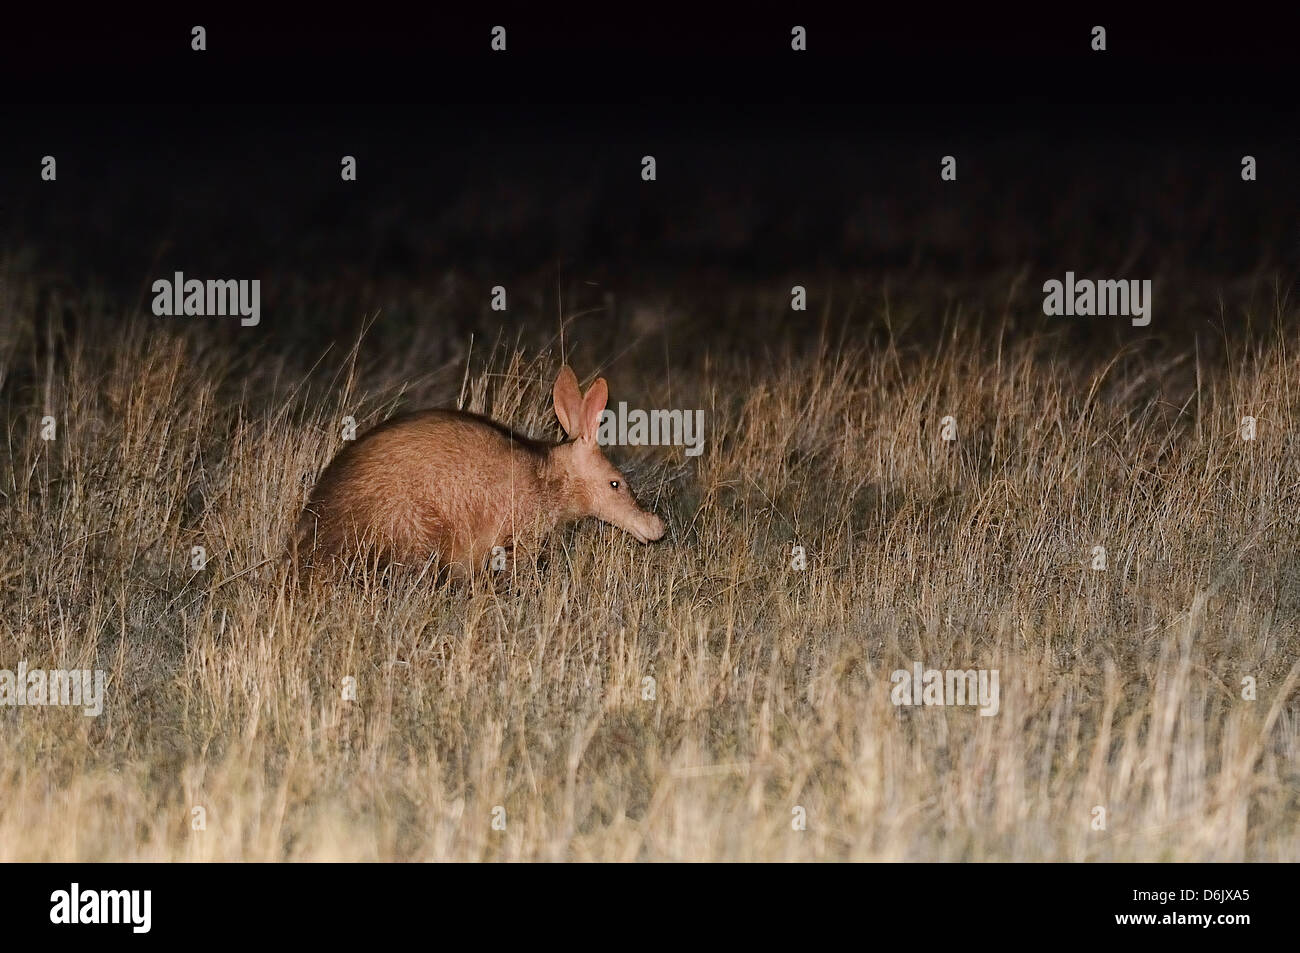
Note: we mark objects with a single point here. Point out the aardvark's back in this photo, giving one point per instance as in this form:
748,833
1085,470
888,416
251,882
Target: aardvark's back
437,483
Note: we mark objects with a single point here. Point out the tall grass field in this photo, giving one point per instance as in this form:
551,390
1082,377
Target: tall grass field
940,477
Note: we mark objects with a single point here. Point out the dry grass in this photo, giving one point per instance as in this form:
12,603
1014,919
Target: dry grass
1119,689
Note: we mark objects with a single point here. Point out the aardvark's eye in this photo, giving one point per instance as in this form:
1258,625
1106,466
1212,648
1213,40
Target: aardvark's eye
614,484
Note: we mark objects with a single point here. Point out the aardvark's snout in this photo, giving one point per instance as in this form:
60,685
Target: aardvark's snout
646,528
655,527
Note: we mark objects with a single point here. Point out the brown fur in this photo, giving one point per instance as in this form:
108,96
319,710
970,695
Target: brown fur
451,486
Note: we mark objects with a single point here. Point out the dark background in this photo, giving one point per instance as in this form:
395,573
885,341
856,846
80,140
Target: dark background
478,168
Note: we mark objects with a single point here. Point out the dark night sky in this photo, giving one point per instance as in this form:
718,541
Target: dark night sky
768,160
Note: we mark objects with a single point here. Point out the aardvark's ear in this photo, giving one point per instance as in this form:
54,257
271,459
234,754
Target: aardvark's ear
592,407
568,401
